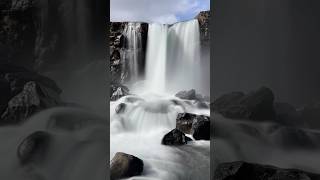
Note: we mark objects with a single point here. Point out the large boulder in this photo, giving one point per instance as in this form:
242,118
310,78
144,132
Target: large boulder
120,108
197,125
24,93
33,147
201,128
175,137
257,105
310,114
286,114
184,122
125,166
191,95
248,171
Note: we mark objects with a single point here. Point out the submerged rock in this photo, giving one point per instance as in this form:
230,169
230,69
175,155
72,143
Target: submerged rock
248,171
175,137
257,105
125,166
33,147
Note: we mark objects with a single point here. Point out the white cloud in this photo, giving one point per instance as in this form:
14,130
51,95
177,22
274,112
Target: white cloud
160,11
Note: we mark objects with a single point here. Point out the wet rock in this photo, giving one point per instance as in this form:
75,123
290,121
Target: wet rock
288,115
117,91
202,105
204,19
297,138
5,94
189,95
33,147
175,137
311,115
201,128
184,122
248,171
257,105
197,125
120,50
125,166
121,108
30,100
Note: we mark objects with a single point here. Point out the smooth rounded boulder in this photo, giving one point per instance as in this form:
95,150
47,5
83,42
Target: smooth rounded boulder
175,137
125,165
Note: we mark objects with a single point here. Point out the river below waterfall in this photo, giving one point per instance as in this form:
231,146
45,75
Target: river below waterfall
139,129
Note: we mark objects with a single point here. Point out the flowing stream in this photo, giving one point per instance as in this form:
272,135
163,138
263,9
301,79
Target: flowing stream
173,52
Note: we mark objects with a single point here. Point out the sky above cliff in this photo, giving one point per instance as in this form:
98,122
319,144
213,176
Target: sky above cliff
159,11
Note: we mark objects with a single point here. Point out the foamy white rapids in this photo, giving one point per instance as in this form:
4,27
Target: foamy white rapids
77,147
140,129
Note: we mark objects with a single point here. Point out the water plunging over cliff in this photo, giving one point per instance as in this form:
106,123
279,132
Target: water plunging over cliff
132,50
173,56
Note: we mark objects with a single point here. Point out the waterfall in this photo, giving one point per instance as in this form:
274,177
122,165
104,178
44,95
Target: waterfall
156,57
173,57
138,122
132,50
184,56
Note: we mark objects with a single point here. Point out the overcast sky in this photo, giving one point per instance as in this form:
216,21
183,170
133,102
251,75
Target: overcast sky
160,11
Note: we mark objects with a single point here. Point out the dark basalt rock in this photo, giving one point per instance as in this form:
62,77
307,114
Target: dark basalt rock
121,108
125,166
117,91
33,147
191,95
248,171
24,92
204,19
184,122
288,115
257,105
197,125
311,115
175,137
118,50
201,128
30,100
297,138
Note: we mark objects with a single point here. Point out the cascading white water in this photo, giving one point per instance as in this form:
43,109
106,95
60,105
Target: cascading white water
266,143
173,56
184,56
171,62
156,57
139,129
132,50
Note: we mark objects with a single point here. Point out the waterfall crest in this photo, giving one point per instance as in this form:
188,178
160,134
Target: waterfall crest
173,57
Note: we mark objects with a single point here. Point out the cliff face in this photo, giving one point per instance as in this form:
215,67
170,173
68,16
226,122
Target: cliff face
41,34
204,18
18,31
118,47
